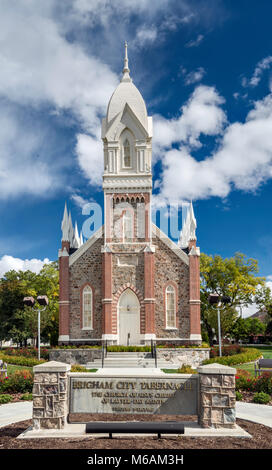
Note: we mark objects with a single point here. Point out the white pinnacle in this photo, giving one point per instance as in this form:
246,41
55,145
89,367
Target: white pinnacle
188,229
76,239
65,225
126,76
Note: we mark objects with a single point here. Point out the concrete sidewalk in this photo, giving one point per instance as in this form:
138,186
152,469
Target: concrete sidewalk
21,411
14,412
261,414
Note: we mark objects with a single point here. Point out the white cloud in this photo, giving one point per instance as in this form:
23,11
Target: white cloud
195,42
80,201
243,160
261,66
146,35
194,76
90,157
8,263
202,114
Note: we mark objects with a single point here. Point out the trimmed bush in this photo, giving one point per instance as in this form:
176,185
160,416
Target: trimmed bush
21,360
29,353
261,397
27,397
239,396
247,355
5,399
185,369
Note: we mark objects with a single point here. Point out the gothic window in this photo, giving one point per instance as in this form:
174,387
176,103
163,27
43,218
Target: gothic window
170,306
127,154
87,310
128,223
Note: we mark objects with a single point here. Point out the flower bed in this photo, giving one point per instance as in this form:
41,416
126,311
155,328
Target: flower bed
21,360
31,353
21,381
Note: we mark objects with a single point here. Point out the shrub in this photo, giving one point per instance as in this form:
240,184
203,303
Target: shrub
261,397
242,383
239,396
185,369
247,355
21,360
26,396
30,353
78,368
21,381
5,398
264,383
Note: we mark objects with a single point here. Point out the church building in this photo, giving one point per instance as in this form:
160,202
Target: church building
129,282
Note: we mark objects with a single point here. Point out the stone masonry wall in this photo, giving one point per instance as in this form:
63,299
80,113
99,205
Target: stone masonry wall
86,269
168,267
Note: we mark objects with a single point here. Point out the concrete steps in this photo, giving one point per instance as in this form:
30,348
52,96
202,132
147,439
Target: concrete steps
130,360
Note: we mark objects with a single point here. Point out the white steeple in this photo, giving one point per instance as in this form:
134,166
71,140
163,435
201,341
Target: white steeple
126,76
188,229
81,239
65,225
76,239
71,230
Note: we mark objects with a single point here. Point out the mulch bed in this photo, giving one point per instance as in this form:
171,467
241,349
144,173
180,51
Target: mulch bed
261,438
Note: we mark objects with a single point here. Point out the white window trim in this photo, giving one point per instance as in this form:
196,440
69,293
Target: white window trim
90,290
171,327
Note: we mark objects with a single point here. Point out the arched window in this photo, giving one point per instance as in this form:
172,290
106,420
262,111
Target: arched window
170,307
87,308
128,223
127,154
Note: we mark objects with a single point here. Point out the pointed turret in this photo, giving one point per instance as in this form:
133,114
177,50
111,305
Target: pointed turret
188,228
81,239
71,230
76,239
65,225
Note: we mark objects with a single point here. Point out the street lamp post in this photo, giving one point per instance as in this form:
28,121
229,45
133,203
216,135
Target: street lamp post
42,301
214,299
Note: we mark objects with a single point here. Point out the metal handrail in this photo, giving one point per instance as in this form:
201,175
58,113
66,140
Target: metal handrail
102,354
155,354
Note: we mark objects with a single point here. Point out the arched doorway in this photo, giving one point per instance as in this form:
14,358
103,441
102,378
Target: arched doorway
129,318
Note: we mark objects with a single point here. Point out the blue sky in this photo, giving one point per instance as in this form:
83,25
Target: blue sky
205,72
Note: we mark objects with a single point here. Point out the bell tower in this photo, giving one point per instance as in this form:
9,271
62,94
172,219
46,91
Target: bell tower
127,178
127,186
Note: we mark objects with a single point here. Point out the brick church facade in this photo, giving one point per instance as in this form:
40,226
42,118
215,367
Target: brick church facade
128,283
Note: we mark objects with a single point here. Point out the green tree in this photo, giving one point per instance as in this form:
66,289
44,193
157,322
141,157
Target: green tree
18,322
235,277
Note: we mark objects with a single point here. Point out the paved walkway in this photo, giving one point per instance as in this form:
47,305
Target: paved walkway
13,412
20,411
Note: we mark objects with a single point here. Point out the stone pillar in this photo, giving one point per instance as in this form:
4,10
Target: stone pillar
216,396
194,270
50,395
149,293
64,309
107,324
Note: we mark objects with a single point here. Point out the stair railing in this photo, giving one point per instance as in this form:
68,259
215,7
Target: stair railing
155,354
103,353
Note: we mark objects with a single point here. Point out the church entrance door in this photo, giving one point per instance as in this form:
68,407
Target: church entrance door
129,318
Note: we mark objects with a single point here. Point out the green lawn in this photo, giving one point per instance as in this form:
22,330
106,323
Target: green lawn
12,368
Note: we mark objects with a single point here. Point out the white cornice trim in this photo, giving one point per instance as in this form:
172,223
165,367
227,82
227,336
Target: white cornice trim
77,254
166,240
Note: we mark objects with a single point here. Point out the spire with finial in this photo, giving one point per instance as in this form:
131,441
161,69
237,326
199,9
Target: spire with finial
126,76
65,225
188,228
76,239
